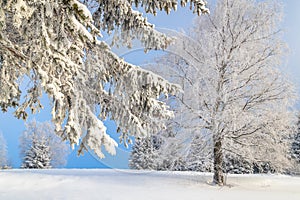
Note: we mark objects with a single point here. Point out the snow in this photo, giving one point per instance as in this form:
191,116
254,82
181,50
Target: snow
128,184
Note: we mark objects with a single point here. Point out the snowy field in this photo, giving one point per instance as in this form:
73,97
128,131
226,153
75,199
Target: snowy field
105,184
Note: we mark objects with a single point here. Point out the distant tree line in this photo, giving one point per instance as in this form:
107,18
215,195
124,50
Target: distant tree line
158,153
40,148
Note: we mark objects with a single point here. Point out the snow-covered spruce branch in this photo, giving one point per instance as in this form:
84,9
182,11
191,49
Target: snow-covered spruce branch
118,16
136,113
55,43
151,6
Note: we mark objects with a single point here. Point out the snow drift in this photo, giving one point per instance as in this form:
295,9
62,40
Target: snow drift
128,184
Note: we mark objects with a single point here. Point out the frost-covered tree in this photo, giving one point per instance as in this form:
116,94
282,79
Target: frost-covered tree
295,149
40,143
235,96
168,146
233,164
38,156
144,153
57,45
199,157
170,155
157,152
3,152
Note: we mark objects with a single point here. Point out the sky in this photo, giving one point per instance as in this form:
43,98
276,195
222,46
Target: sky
180,20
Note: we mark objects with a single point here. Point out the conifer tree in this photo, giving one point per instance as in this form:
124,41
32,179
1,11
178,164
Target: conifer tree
3,152
145,153
38,156
163,150
199,157
40,147
234,164
295,151
57,45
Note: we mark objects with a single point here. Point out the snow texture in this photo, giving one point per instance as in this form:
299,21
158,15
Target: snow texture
132,185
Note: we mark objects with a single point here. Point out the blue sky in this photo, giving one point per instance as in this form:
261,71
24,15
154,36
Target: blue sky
180,20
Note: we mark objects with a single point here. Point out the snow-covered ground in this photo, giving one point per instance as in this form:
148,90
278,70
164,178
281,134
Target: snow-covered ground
105,184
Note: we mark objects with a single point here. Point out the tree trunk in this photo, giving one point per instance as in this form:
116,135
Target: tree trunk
218,163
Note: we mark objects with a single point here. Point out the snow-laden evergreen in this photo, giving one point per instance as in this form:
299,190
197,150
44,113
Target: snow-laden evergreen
40,147
171,156
199,157
3,152
38,156
57,45
162,151
234,164
295,149
144,153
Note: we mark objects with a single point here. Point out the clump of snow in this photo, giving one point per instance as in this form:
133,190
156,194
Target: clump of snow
128,184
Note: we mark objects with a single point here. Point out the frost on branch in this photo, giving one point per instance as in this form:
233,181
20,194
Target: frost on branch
55,45
235,99
198,6
130,98
128,24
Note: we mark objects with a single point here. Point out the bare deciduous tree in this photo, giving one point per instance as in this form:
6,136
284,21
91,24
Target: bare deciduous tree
235,96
